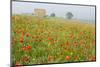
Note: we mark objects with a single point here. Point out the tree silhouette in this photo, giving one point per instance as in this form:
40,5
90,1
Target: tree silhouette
69,15
52,15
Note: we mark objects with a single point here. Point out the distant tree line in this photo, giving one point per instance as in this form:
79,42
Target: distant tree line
68,15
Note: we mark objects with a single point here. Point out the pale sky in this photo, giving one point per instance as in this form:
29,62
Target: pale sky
79,12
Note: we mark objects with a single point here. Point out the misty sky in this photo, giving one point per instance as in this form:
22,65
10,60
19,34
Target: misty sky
79,12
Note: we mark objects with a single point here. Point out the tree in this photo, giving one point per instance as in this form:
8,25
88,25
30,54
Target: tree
69,15
52,15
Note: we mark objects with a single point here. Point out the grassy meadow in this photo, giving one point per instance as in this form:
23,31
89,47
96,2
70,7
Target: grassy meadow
51,40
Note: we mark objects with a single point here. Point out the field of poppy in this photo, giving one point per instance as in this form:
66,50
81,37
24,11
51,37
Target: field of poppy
51,40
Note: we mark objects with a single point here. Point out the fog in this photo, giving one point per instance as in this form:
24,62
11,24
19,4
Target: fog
79,12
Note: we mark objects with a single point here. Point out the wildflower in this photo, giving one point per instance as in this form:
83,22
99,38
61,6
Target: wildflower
49,38
23,33
26,48
75,57
67,57
27,35
21,39
29,47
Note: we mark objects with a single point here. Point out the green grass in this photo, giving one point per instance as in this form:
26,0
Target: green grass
51,40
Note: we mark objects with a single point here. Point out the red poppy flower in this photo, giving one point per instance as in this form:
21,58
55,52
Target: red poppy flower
21,39
29,47
26,48
67,57
49,38
75,57
23,33
27,35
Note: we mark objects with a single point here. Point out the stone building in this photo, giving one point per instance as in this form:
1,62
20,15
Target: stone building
40,12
